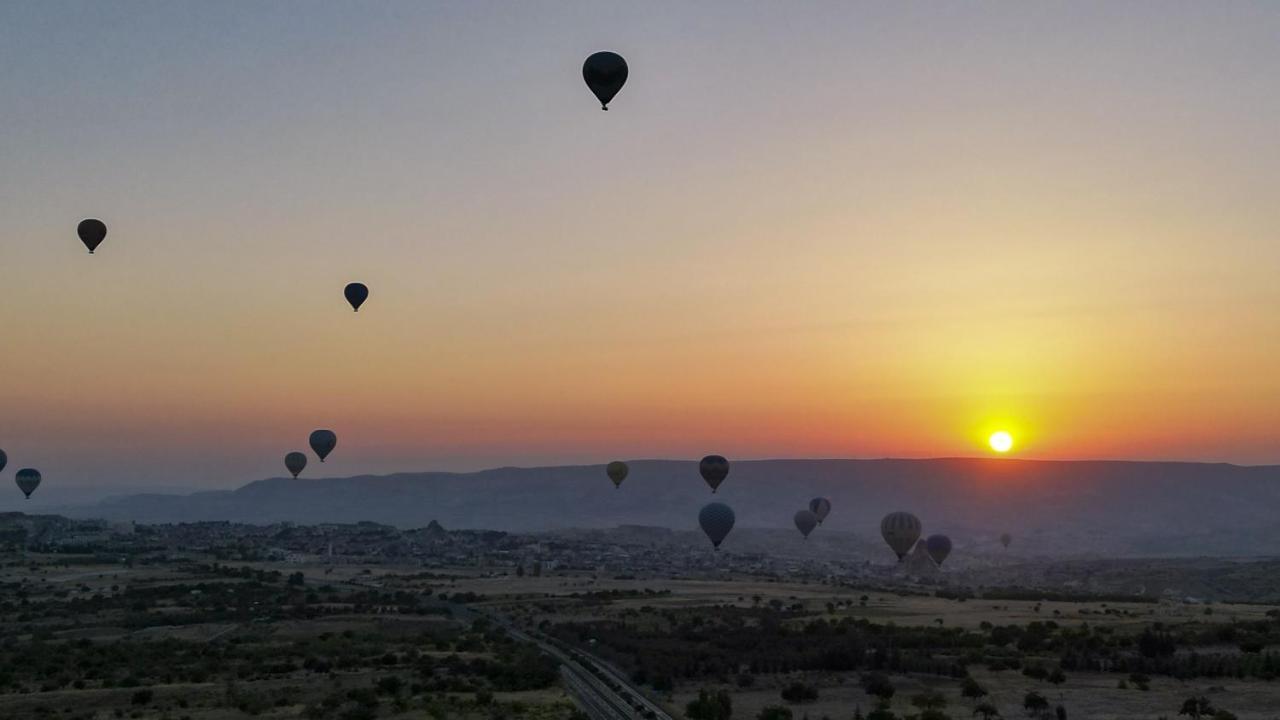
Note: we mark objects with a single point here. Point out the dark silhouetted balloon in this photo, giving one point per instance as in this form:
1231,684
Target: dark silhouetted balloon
939,547
295,462
901,530
716,520
323,442
1005,539
605,73
356,294
4,460
617,472
28,480
820,507
92,233
714,469
806,521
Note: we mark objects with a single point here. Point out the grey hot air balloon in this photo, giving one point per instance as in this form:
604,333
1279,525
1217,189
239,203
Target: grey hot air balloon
92,233
938,547
323,442
4,460
716,520
806,521
617,472
900,530
356,293
714,469
28,480
820,507
605,73
1005,539
295,462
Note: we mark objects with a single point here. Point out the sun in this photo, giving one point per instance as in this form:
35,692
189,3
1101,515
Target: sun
1001,442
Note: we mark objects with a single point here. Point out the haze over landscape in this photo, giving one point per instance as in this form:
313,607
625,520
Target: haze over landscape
598,361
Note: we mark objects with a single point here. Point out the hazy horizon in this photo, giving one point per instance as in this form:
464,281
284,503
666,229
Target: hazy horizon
858,230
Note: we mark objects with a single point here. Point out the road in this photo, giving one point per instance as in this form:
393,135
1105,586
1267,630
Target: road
596,698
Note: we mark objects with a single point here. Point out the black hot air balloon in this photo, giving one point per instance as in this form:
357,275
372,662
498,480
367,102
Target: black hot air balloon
714,469
806,521
323,442
28,480
716,520
92,233
820,507
1005,539
4,460
295,462
617,472
356,294
605,73
900,530
938,547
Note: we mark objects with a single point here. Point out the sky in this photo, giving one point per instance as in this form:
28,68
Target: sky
802,230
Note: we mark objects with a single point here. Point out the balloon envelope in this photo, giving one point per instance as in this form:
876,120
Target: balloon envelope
714,469
28,480
92,233
1005,539
617,472
716,520
900,530
295,462
356,294
4,460
605,73
323,442
806,521
938,547
820,507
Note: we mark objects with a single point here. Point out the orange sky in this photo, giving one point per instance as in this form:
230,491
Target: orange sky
856,232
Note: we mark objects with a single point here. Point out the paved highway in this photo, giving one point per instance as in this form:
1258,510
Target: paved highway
596,698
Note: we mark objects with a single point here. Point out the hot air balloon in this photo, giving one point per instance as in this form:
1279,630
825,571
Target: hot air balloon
714,469
92,233
605,73
28,480
901,530
295,462
806,521
938,547
716,520
356,294
323,442
4,460
1005,539
617,472
820,507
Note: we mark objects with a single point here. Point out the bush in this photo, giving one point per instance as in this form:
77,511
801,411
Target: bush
799,692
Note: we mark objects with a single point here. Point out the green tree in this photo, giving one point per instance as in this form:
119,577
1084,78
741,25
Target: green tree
1035,704
972,690
987,711
710,706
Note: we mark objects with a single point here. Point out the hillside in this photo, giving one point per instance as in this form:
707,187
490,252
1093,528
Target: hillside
1145,508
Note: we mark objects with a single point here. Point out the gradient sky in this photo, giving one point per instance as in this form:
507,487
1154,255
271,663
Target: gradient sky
818,229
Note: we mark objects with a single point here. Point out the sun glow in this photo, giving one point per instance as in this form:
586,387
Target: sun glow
1001,441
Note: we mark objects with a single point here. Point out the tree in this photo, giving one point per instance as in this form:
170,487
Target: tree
1060,713
1035,704
972,690
710,706
878,685
987,711
1197,707
799,692
1057,677
774,712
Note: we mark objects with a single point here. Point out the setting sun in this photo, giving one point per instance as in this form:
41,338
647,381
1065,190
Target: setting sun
1001,441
